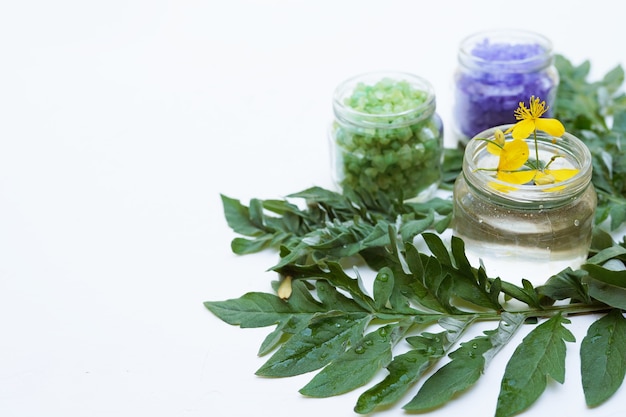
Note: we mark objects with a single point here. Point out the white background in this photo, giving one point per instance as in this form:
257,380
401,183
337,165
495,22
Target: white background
121,122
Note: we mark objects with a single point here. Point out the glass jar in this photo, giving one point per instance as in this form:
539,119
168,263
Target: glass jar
386,136
525,231
496,71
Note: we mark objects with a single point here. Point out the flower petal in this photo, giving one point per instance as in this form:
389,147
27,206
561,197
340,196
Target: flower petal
562,174
551,126
544,178
523,129
493,148
513,155
500,187
517,177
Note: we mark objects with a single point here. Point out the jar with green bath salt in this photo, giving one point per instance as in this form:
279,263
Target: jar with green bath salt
386,136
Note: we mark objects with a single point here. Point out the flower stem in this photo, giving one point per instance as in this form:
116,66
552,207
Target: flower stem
536,150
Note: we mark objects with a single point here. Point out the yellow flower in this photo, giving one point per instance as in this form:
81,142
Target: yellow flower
495,146
513,166
530,120
513,155
517,177
552,176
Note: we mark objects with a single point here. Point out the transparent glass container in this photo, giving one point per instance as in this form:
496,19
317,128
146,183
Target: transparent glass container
496,71
394,149
525,231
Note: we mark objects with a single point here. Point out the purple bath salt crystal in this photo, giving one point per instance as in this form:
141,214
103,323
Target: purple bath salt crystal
494,77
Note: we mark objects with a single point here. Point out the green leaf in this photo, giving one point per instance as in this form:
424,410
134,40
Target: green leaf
458,253
238,217
335,300
242,246
436,246
526,294
321,341
383,287
601,240
603,358
356,366
606,254
605,285
466,366
610,295
253,310
540,355
430,284
407,368
615,278
284,329
412,228
335,276
566,284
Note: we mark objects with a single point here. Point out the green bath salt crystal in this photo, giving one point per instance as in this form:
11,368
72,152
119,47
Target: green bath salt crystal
386,136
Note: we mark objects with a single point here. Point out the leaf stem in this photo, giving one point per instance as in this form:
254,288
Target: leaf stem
569,309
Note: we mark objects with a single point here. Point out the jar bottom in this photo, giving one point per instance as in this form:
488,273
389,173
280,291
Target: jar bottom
512,263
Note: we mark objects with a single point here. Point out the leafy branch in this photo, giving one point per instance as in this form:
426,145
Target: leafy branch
363,297
595,111
330,323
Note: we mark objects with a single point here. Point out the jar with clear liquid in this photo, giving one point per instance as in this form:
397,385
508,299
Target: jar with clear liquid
525,231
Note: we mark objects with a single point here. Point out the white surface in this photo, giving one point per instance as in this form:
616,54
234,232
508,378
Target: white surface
121,122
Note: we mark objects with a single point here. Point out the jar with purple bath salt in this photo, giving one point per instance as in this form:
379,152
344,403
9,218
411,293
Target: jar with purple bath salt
496,71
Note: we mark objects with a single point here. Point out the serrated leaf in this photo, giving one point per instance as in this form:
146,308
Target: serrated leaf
321,341
454,377
238,217
603,358
356,366
436,246
466,366
526,294
409,367
253,310
379,236
540,355
383,287
425,293
412,228
242,246
566,284
404,370
335,300
284,329
337,277
458,253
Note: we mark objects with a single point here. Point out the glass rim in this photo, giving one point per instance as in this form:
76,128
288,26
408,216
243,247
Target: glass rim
524,193
413,115
521,36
